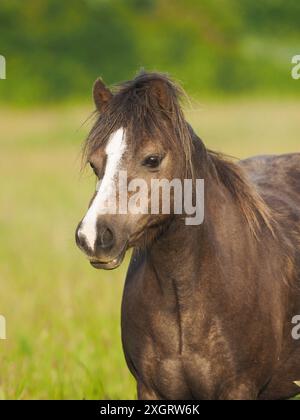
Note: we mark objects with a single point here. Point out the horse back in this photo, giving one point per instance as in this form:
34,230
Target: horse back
277,179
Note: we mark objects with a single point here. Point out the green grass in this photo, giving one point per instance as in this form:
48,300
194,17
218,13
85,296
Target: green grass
63,317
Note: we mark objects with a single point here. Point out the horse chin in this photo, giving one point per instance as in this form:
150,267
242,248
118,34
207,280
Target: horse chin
111,264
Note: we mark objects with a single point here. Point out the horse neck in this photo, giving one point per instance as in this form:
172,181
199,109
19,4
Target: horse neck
183,254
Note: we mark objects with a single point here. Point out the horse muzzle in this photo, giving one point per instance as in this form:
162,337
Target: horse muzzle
109,264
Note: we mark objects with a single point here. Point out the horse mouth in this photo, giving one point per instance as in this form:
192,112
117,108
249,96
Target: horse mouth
111,264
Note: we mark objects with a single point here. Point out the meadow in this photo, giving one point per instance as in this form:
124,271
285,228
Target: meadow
63,316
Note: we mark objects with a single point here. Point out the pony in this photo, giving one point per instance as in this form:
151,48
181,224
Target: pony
207,309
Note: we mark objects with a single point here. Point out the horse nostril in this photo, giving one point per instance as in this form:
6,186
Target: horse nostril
105,237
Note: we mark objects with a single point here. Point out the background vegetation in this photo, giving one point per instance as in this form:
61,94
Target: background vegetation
55,48
234,57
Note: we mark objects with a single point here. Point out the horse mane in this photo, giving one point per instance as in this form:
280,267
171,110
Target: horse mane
135,106
253,207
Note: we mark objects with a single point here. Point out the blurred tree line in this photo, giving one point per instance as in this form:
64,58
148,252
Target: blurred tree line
55,49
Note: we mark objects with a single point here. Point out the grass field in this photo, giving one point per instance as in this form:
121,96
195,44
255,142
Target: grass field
63,333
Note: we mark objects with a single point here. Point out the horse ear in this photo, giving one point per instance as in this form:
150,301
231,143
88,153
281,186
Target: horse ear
101,94
161,91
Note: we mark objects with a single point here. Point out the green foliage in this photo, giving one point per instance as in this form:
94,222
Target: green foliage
272,16
55,49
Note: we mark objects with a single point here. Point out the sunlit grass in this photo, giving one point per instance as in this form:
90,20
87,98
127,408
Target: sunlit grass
63,317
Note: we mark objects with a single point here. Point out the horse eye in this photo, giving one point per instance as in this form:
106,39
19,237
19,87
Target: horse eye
152,161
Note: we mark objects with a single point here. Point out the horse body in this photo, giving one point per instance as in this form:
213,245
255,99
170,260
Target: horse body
216,323
277,178
207,309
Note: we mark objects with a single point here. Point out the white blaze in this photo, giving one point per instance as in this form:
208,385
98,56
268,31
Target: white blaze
114,150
